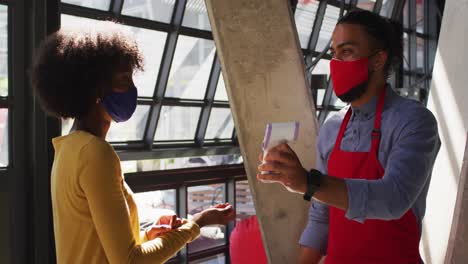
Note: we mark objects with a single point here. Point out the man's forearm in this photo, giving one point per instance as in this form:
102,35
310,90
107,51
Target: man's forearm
333,191
309,256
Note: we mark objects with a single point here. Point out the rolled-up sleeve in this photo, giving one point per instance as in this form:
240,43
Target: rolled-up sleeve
315,235
408,168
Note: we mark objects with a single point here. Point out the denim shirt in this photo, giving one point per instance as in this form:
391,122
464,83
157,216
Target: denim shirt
408,147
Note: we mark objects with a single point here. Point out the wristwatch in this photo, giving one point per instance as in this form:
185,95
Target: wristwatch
314,179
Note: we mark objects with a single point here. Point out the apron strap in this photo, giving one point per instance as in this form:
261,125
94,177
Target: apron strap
343,126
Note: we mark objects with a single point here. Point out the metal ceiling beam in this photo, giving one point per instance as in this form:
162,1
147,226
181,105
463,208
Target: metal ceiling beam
398,9
164,71
164,153
116,7
156,180
320,14
209,98
377,6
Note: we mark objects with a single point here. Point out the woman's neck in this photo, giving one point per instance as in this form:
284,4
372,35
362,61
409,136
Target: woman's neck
97,129
93,123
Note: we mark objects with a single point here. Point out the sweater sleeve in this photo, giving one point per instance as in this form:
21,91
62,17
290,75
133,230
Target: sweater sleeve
102,183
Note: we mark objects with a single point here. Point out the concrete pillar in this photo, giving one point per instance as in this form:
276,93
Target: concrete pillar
264,73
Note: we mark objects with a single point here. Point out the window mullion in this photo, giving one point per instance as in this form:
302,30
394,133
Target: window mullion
164,72
317,25
209,98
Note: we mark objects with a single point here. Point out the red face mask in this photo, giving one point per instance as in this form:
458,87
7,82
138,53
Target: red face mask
346,75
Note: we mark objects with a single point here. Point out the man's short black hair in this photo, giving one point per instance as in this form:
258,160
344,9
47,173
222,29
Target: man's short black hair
72,69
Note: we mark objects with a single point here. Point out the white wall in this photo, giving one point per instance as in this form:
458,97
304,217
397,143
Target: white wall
448,101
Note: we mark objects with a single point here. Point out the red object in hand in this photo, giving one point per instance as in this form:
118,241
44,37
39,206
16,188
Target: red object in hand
246,245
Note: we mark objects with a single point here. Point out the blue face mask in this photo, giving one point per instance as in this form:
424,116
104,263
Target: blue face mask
121,106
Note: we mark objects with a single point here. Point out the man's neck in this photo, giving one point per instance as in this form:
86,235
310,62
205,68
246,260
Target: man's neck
373,89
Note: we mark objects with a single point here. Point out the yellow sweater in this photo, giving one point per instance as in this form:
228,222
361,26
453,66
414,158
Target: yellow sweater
95,216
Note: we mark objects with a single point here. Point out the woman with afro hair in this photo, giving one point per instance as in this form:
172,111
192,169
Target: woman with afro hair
86,74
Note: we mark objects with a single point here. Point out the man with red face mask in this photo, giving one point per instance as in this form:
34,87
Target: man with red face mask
374,158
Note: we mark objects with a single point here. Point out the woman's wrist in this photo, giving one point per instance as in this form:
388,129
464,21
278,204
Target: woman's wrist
198,219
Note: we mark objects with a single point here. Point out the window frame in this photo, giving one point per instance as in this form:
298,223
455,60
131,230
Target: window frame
181,180
149,148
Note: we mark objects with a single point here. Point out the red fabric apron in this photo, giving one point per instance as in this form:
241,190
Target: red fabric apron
374,241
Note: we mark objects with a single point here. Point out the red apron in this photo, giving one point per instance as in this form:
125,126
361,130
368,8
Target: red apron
374,241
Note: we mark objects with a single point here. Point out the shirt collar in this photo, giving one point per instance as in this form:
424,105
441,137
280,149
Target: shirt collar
367,110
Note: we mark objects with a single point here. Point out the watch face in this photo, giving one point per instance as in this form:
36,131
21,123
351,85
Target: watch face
313,183
315,177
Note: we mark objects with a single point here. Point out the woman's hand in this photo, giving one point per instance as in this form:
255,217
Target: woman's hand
220,214
163,225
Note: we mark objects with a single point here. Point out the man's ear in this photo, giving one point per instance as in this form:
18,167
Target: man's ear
379,60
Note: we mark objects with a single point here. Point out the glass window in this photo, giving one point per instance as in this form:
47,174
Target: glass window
319,84
328,25
151,44
177,123
221,124
387,8
420,43
4,153
157,10
420,16
366,4
132,129
198,199
405,15
305,17
221,93
152,205
190,68
406,81
74,22
320,96
96,4
196,16
67,125
3,50
217,259
179,163
405,51
244,202
322,67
